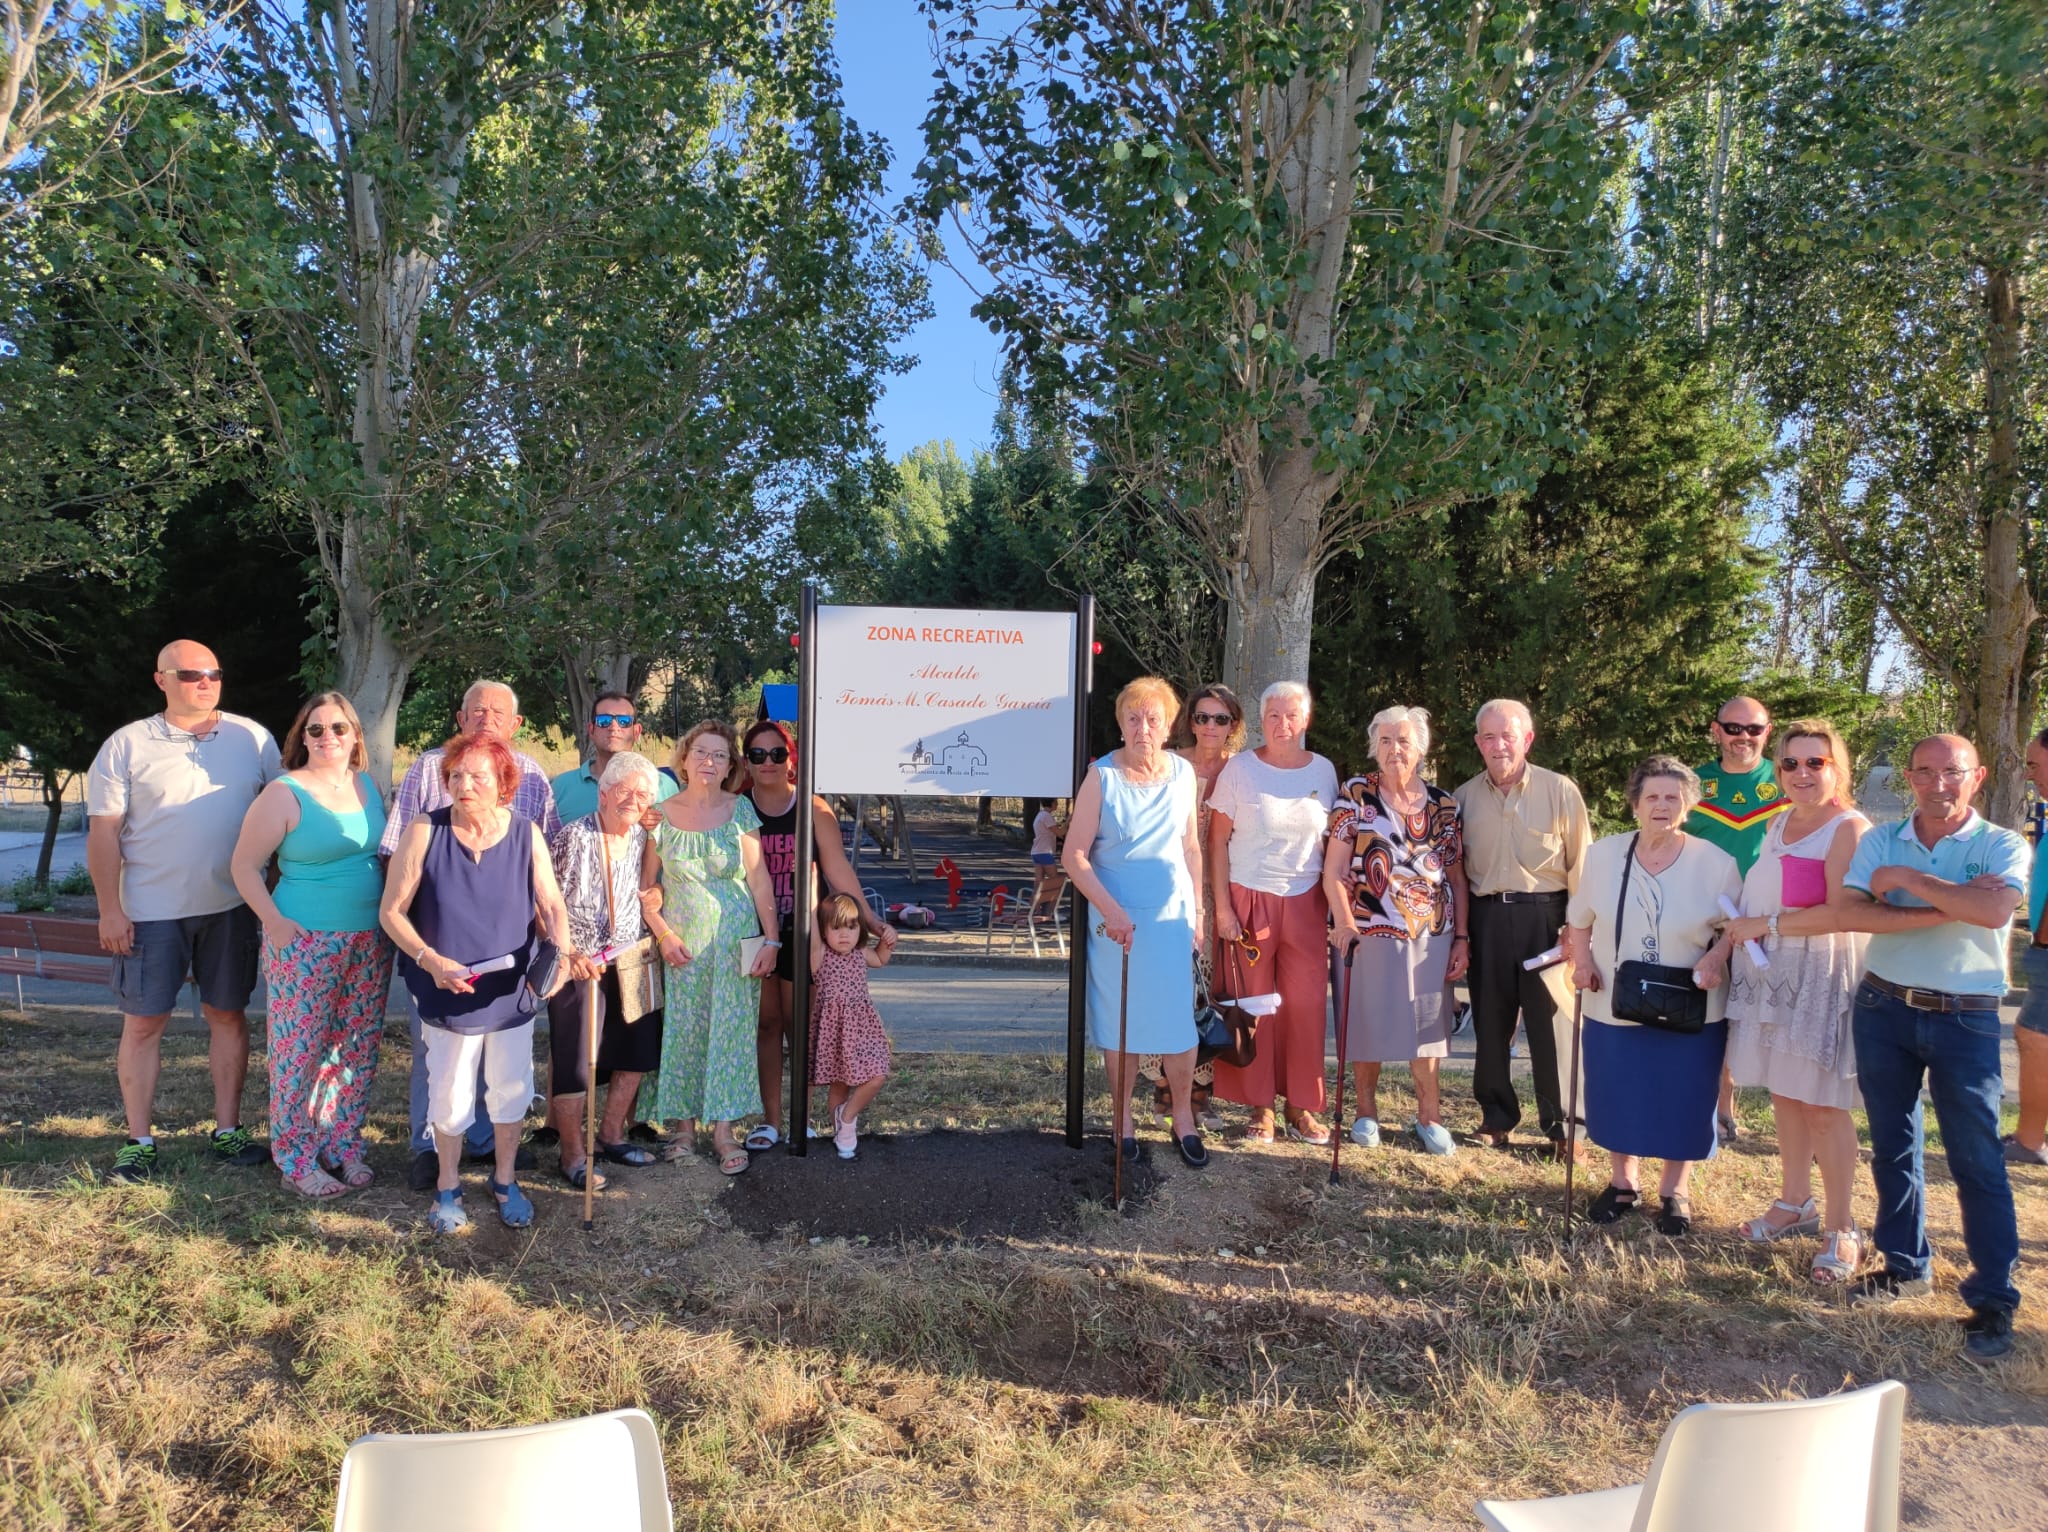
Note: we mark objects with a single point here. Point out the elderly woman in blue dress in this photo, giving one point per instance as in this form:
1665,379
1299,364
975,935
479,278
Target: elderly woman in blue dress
1133,852
1652,895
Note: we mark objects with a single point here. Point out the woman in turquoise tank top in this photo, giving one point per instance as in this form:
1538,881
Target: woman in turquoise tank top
326,962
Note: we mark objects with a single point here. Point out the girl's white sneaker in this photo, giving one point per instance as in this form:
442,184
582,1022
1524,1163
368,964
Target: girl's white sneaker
845,1135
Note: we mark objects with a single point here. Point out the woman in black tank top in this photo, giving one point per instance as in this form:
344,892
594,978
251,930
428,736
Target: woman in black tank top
770,754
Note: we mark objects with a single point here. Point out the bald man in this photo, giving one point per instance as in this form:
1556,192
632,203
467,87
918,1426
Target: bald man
164,803
1739,798
1937,892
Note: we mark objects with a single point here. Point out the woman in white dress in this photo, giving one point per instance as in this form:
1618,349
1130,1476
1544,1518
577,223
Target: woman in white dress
1789,1023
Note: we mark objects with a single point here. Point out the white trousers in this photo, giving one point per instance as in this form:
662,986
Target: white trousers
452,1059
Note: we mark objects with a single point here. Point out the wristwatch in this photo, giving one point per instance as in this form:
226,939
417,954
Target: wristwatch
1773,925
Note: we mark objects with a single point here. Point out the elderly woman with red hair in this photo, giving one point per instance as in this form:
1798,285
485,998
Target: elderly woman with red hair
459,902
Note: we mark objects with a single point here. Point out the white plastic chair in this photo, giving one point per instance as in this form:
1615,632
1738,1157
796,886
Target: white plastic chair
599,1474
1814,1465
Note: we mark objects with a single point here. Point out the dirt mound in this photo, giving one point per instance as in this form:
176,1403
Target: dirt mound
938,1185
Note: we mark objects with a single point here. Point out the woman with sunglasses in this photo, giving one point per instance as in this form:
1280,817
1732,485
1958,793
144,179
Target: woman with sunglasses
327,963
1789,1023
770,753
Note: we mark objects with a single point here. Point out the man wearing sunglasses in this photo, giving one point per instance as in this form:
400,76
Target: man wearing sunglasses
165,800
614,730
1739,797
489,709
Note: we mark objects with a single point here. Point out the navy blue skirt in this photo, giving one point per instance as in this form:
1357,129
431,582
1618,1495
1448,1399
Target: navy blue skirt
1653,1093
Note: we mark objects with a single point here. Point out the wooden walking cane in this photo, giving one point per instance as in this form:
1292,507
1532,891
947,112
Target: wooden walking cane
1123,1079
593,1012
1337,1134
1571,1115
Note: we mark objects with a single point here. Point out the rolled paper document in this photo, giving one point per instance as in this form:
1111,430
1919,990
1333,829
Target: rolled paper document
491,965
1754,949
1548,959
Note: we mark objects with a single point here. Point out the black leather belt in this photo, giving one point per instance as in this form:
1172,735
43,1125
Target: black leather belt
1554,896
1931,999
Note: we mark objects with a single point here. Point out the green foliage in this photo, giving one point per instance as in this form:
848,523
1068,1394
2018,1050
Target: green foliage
1619,598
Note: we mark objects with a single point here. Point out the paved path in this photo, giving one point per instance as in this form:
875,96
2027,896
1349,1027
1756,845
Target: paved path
929,1007
18,854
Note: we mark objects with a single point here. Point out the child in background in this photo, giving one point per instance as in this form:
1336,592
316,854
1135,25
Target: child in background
849,1049
1045,833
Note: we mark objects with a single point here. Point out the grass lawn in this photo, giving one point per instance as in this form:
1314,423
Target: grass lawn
1251,1347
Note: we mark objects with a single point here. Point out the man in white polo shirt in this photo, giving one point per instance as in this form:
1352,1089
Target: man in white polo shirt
164,803
1928,1009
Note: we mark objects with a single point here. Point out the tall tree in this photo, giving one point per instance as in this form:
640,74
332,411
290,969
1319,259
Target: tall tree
1304,268
1894,225
508,280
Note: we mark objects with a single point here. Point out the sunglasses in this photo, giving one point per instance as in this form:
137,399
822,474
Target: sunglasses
191,676
1753,730
777,753
338,730
1205,718
1792,763
611,720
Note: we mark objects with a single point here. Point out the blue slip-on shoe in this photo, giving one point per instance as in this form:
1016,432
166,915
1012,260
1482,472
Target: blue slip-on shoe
446,1215
1435,1137
1365,1132
515,1209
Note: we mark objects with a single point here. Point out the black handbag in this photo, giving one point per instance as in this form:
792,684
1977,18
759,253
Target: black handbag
1224,1032
1658,995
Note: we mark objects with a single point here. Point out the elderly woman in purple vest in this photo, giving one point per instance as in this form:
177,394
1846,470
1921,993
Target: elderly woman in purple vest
460,902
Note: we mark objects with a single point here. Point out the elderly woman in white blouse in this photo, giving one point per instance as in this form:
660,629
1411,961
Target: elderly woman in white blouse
1268,814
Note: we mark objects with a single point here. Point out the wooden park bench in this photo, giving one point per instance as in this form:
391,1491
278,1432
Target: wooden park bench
63,949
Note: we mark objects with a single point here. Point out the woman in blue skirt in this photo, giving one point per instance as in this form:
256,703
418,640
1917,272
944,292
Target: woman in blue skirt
1133,853
1650,1094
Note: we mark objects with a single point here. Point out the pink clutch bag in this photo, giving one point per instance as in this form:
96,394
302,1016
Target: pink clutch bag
1805,882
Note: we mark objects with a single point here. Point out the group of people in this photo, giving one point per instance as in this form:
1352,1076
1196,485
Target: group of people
662,903
1832,959
1815,956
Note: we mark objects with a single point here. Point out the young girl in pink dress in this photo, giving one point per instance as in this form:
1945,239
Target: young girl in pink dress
849,1049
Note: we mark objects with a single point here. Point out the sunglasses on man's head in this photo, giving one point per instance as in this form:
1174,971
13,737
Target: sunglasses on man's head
1211,718
776,753
1792,763
190,676
339,729
1753,730
612,720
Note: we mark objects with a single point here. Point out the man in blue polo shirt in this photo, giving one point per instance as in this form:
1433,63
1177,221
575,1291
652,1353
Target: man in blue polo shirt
614,729
1928,1006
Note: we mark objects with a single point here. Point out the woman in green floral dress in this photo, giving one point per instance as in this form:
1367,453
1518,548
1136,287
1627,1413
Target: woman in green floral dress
705,859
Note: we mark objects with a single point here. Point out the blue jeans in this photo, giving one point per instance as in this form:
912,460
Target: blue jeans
1958,1054
479,1138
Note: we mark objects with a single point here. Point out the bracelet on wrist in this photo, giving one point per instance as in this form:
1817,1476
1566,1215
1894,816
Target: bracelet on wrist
1460,936
419,958
769,941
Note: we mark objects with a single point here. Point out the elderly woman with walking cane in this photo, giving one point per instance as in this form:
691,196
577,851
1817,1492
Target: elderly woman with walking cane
597,861
1133,852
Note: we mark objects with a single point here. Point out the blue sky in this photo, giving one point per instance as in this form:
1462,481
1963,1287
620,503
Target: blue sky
885,56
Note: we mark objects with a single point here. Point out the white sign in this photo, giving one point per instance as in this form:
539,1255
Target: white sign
937,703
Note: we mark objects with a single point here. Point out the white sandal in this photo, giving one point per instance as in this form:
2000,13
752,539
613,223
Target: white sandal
1761,1231
1830,1266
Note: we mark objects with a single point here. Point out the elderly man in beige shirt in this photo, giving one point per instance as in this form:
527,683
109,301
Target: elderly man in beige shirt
1526,834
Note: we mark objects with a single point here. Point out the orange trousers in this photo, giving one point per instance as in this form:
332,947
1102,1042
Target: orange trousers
1293,938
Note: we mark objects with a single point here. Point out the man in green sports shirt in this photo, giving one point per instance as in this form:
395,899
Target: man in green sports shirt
1739,798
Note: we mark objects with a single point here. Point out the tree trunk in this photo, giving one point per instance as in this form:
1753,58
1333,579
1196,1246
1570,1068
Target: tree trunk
1272,603
53,801
2001,715
373,675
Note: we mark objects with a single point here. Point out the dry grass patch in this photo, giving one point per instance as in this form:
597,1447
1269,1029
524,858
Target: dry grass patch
1253,1348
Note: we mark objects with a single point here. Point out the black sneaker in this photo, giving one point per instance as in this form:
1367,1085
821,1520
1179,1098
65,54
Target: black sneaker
238,1146
134,1163
1193,1150
1987,1333
1886,1286
425,1172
